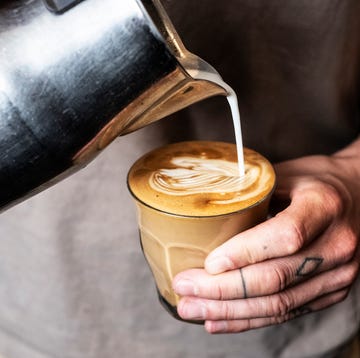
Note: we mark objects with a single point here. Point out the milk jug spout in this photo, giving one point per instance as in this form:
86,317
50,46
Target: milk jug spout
76,74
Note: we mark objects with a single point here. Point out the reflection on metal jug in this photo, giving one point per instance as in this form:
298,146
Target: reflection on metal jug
74,75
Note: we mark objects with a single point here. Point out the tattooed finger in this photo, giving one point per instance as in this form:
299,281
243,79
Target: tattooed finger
256,280
235,326
275,305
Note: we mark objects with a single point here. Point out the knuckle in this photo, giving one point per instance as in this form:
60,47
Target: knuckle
350,241
325,196
249,254
226,310
346,245
349,274
246,324
331,199
294,235
220,291
280,319
281,304
283,276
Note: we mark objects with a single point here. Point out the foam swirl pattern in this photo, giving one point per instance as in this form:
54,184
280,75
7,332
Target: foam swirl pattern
200,179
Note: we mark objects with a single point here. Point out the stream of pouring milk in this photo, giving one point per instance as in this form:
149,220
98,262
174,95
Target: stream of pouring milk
235,113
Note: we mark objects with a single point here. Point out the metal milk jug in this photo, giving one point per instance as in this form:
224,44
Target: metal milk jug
74,75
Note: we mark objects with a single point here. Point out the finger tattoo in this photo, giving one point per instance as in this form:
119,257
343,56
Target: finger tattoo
243,283
309,266
299,311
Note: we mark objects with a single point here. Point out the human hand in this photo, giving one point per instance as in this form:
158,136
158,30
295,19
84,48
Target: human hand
302,260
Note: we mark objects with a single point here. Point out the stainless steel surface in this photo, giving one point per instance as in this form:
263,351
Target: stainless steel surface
60,6
71,82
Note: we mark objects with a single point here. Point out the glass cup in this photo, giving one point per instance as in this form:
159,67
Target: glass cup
172,243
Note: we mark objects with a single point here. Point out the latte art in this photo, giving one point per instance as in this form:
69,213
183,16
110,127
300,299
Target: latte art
201,175
200,178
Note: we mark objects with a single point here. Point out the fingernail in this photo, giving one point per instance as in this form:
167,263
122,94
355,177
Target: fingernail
186,288
192,310
218,264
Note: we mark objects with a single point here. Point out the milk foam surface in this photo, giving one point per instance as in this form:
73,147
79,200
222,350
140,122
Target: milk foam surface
200,179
